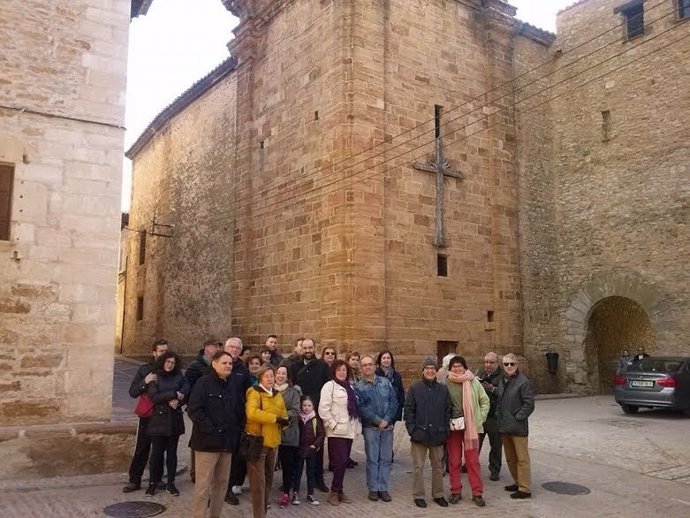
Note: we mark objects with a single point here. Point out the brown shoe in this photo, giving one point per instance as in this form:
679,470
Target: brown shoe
333,498
344,499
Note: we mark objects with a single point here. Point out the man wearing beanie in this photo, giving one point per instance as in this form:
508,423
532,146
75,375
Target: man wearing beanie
427,418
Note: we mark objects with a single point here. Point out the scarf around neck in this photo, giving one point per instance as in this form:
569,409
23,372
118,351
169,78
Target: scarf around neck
281,387
351,398
307,417
471,435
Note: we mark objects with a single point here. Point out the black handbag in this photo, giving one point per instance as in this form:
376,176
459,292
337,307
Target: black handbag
251,445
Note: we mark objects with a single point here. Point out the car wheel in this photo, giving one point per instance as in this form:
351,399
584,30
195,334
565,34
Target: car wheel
630,409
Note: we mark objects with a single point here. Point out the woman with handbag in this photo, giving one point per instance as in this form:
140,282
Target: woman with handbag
168,393
266,414
338,410
469,408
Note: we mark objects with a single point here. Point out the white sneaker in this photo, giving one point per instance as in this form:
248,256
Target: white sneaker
295,499
312,500
236,490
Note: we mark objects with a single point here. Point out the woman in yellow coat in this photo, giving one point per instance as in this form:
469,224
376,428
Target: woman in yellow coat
266,414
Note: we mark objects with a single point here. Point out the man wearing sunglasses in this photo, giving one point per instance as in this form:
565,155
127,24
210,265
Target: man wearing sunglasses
514,406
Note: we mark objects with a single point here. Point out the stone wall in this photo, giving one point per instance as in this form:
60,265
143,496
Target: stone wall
331,238
182,187
619,170
62,85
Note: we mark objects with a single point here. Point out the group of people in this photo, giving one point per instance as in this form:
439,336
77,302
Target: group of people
298,406
626,360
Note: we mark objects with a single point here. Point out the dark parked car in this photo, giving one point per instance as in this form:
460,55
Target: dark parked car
655,382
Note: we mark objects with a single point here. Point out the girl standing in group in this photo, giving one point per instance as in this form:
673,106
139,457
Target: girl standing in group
167,393
289,444
266,414
338,410
311,439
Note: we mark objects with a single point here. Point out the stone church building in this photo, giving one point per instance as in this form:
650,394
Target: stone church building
424,176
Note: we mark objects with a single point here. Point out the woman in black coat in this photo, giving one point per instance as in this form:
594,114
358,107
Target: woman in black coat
167,393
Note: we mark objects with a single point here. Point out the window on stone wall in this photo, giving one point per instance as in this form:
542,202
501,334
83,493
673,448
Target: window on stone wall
6,185
442,265
683,9
142,247
634,17
140,308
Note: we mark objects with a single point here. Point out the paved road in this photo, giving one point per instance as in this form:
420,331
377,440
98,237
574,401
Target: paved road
635,466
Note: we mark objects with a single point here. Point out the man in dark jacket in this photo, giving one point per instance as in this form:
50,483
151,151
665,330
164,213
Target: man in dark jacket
311,374
241,379
427,418
272,344
295,357
490,376
200,366
217,413
514,405
141,379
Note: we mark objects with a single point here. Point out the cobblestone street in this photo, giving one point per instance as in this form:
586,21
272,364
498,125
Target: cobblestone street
634,466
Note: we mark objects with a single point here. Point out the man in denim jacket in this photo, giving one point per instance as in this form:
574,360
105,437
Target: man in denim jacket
377,404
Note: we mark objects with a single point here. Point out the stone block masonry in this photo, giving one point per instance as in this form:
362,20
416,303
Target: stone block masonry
62,88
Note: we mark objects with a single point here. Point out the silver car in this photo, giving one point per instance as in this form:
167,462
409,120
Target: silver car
655,382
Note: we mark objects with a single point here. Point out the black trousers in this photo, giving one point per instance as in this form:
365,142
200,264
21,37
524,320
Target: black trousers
160,447
141,452
288,457
496,454
319,463
238,470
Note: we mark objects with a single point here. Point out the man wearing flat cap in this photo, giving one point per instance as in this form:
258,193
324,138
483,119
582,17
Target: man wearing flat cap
427,419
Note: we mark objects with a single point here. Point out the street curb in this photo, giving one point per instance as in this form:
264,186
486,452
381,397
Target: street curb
76,481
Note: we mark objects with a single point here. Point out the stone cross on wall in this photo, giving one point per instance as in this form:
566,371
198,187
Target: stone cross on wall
441,168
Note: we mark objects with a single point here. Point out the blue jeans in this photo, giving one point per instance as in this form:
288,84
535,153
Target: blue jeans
378,446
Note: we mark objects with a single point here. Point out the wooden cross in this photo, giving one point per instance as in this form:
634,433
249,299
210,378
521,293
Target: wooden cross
441,167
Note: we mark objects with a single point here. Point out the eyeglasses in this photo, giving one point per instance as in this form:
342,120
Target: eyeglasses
509,364
329,353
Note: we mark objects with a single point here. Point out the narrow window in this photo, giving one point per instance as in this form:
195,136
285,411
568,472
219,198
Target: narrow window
142,247
437,120
6,184
605,126
489,316
140,308
316,115
634,17
442,265
683,9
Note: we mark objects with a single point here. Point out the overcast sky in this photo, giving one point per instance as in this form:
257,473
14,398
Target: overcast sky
180,41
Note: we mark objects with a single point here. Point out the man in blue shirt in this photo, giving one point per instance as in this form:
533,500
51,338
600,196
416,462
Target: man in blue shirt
378,405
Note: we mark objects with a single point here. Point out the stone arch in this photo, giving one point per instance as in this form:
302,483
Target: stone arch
582,305
615,323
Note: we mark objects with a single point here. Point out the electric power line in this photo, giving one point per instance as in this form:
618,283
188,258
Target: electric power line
263,211
263,194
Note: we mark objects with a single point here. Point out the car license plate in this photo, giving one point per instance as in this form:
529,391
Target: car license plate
636,383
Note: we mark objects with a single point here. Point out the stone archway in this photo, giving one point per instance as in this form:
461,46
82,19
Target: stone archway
615,323
581,358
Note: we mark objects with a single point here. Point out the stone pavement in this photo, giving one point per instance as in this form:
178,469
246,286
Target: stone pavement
634,466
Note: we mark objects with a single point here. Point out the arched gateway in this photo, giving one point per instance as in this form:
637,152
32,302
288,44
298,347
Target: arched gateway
611,312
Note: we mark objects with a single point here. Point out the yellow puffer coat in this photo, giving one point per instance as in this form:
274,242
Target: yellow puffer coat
262,411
